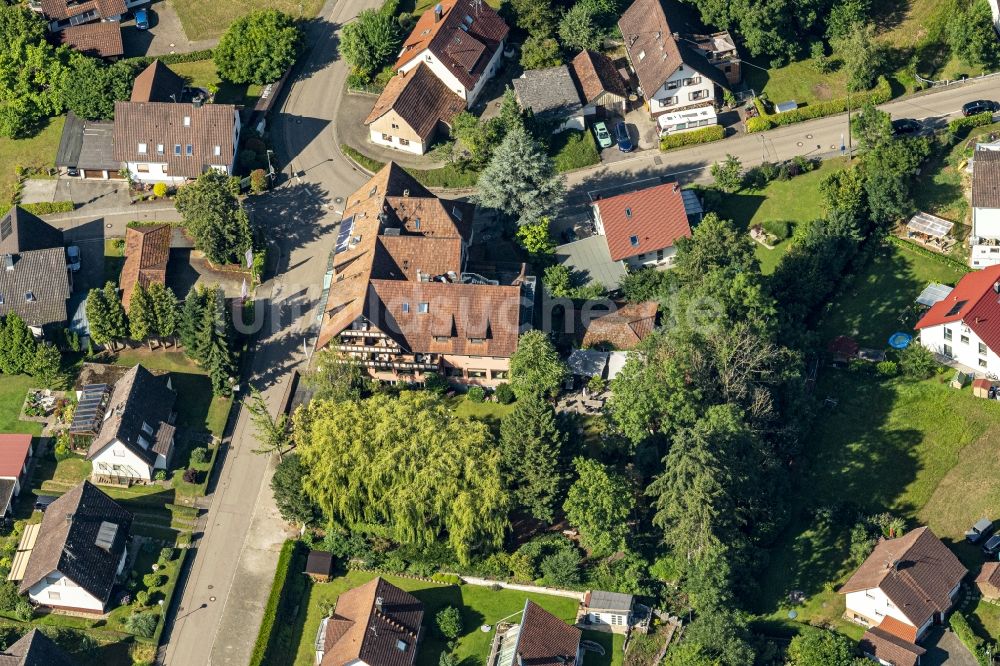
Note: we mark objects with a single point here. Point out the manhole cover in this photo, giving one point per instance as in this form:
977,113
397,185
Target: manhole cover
809,136
338,200
211,598
658,161
798,143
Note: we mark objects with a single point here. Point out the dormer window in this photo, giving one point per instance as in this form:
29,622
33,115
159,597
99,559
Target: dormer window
406,308
477,341
159,149
142,149
177,149
634,240
187,121
143,442
189,150
416,223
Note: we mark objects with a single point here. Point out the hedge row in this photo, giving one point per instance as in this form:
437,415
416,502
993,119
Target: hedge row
978,120
289,551
703,135
930,254
49,207
168,597
172,58
881,93
964,633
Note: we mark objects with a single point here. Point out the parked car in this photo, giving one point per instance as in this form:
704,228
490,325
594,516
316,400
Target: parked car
907,127
142,19
982,529
980,106
624,141
42,501
73,258
992,546
604,139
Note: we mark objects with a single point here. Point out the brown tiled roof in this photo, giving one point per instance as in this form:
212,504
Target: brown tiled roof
654,216
545,640
421,100
889,648
647,34
916,572
986,179
101,39
989,574
67,541
58,10
147,250
360,630
463,48
898,628
595,74
154,124
157,83
624,328
403,257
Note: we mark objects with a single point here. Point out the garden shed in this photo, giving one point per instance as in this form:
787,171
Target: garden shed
319,565
981,388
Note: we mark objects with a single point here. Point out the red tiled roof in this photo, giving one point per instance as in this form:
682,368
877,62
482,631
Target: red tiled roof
147,250
907,632
975,302
545,640
624,328
102,39
421,99
14,452
465,47
157,83
654,217
889,648
596,74
989,574
916,572
58,10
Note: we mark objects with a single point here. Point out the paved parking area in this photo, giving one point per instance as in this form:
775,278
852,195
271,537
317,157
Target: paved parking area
92,193
943,647
165,34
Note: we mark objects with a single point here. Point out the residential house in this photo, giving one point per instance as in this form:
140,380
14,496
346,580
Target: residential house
147,250
85,148
965,325
34,649
608,610
719,48
411,110
375,624
173,141
64,13
398,299
674,74
461,41
642,227
552,96
72,559
601,87
621,328
100,40
988,580
881,644
985,236
906,585
15,452
541,639
136,435
34,279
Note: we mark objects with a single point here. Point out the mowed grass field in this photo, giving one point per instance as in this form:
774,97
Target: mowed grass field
38,151
205,19
919,449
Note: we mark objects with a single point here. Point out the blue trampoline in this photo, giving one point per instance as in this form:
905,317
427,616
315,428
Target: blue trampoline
900,340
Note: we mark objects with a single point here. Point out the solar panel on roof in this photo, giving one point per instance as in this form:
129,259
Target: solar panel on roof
6,228
344,235
956,308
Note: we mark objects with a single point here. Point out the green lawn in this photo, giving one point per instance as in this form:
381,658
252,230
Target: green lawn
202,74
574,149
801,81
205,20
13,391
796,200
479,606
37,152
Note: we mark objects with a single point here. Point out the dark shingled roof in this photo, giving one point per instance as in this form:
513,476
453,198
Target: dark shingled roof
545,640
67,541
548,92
87,144
986,179
358,629
6,494
38,268
319,562
138,397
101,39
157,83
34,649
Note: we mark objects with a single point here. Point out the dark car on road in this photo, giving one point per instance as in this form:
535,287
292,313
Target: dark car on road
624,141
907,127
980,106
979,531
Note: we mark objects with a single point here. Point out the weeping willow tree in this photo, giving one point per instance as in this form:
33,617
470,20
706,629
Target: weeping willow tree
406,464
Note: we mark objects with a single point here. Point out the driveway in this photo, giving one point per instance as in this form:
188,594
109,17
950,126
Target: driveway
165,34
943,647
95,194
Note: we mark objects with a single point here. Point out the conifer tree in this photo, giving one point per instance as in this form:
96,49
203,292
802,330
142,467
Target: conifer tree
18,346
117,321
141,317
189,322
97,317
165,315
530,453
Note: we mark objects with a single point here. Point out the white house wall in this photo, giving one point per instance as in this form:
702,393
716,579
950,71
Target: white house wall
874,605
653,259
615,621
57,590
966,353
660,100
414,147
985,224
117,459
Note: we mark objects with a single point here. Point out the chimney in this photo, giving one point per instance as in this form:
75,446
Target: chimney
378,600
996,287
677,186
198,101
69,518
406,193
438,10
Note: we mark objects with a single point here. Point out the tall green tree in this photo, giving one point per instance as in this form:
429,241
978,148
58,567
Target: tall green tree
273,431
189,323
864,57
599,504
258,47
971,34
214,344
335,377
371,40
165,314
520,180
46,365
531,445
17,346
141,314
213,216
700,254
408,465
728,174
822,648
117,320
293,503
535,368
872,127
91,88
578,28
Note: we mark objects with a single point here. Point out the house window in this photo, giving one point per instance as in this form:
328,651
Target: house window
29,296
982,363
218,151
142,149
54,596
697,94
672,85
477,341
406,308
634,241
947,334
189,150
441,338
395,126
402,645
416,223
142,168
500,374
982,349
118,452
177,149
159,149
694,81
659,255
187,121
404,142
869,594
143,442
146,428
668,101
964,339
947,351
423,308
477,374
386,137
